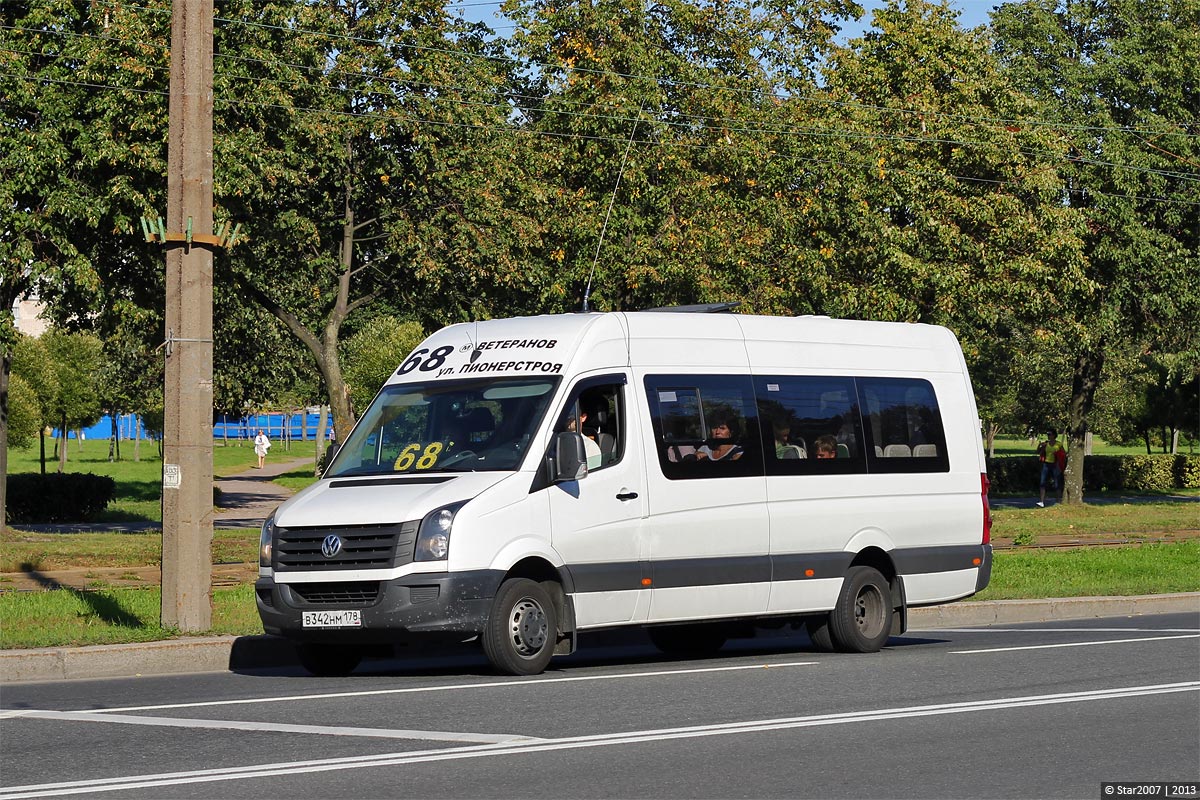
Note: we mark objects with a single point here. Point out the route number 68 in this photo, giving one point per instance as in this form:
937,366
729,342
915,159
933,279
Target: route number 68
408,456
435,360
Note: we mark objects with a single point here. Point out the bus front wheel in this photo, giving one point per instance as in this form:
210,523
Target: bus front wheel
522,629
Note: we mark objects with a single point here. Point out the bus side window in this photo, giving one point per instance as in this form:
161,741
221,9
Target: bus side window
686,411
904,425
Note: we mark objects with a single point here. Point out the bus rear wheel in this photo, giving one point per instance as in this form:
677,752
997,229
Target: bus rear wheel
861,620
522,629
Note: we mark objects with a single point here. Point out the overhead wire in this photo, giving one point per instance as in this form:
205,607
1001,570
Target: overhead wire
923,113
609,139
681,84
689,122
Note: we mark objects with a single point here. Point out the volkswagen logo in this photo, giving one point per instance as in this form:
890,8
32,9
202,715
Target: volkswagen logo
331,546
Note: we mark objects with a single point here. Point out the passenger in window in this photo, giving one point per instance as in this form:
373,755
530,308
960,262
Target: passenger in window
575,422
784,447
827,446
723,430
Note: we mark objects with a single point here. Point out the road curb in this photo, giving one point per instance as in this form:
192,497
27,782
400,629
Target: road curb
223,653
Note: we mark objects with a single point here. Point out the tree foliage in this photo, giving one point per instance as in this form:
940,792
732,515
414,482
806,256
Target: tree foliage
1031,184
1119,81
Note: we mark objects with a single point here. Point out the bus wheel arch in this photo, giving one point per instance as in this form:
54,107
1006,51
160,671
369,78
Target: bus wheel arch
870,607
550,602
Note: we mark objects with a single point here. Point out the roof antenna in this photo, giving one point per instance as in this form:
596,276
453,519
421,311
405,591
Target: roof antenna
604,228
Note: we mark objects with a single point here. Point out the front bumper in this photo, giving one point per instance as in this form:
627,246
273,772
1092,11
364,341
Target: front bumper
442,605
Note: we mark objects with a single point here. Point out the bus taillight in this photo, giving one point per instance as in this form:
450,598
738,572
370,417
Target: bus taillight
987,511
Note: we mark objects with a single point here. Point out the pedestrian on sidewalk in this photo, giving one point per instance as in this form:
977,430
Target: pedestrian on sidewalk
261,445
1054,460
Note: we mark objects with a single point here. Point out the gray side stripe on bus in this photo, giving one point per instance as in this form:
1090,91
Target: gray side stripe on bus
681,573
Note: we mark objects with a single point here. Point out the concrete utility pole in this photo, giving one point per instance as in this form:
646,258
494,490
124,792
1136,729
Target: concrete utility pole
188,390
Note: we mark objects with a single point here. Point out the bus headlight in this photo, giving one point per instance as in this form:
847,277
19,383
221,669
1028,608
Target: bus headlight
433,540
265,541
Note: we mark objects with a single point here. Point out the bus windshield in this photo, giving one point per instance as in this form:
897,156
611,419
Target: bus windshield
446,426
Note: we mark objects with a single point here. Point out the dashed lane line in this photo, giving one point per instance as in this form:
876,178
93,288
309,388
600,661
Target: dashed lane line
530,682
1072,644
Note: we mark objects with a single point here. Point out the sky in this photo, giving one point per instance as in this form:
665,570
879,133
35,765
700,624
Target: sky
972,12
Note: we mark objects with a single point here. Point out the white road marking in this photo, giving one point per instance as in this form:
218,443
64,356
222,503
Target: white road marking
1057,630
1073,644
452,687
279,727
600,740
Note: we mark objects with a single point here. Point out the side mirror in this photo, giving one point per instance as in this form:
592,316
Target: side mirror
570,458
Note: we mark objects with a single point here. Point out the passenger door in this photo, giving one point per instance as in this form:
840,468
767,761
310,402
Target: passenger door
596,523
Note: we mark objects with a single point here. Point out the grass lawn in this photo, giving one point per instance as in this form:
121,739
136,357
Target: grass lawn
1018,446
23,551
1095,571
113,616
1135,520
139,483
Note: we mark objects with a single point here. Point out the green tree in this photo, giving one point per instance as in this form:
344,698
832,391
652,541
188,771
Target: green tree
373,353
76,358
346,135
1116,81
933,202
24,413
31,362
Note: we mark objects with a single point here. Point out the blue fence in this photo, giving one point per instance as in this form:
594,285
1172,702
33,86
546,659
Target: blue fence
129,426
297,426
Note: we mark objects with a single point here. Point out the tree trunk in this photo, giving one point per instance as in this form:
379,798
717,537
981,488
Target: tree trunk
1175,441
137,437
42,441
322,421
5,367
62,445
324,348
1084,382
992,430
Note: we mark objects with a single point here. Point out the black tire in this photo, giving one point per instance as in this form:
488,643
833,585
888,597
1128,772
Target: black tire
688,640
522,629
818,631
862,619
329,660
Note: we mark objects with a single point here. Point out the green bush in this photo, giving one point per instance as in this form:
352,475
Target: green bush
70,497
1141,473
1187,472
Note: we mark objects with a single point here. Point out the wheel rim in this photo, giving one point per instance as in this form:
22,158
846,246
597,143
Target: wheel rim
869,612
528,627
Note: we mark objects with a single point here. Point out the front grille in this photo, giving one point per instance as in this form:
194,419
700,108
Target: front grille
362,547
360,593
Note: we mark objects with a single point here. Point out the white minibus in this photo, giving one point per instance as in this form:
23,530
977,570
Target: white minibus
524,481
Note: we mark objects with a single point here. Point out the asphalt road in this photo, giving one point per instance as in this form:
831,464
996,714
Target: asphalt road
1034,710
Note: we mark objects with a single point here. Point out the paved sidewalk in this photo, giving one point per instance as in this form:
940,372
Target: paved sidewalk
245,501
247,498
1097,498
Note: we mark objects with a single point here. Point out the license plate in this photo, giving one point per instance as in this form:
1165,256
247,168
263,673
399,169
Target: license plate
351,618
